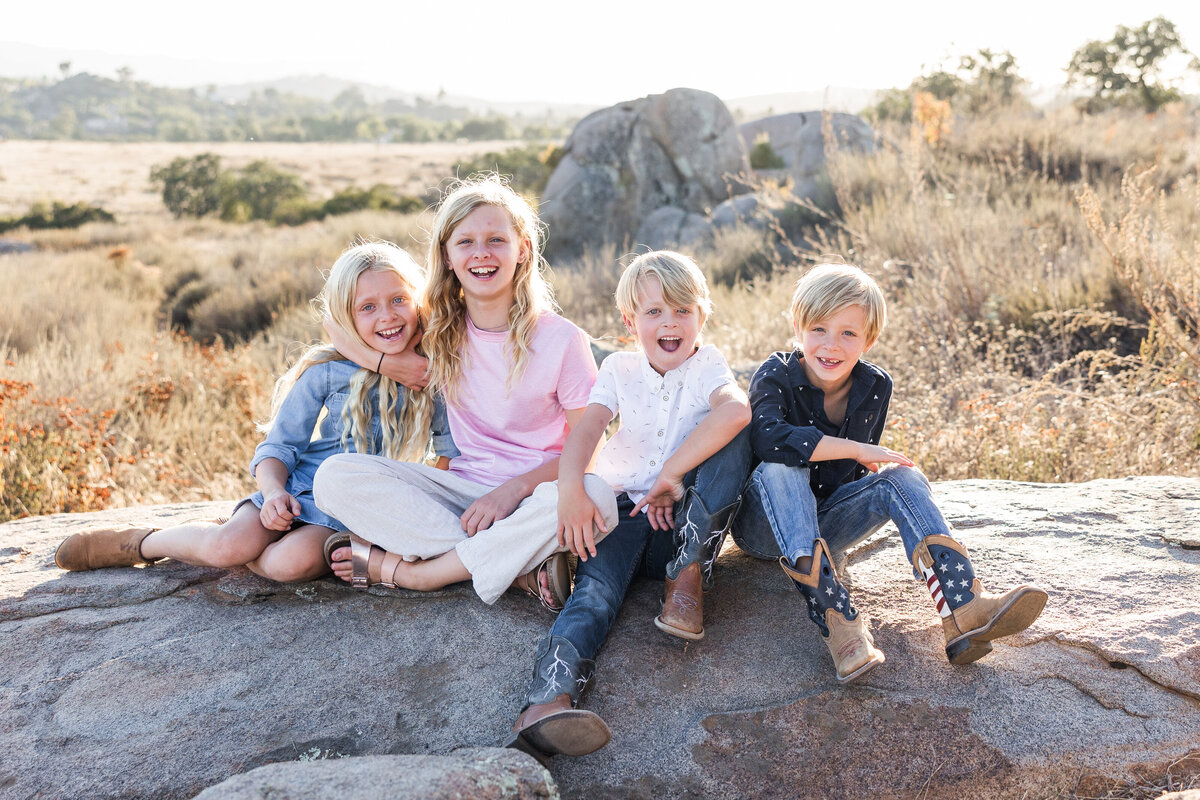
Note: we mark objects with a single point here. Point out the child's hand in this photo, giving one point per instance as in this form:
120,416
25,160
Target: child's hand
578,517
660,502
495,505
872,455
278,511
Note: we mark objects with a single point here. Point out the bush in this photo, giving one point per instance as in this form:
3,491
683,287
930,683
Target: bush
528,168
56,216
257,191
191,187
763,156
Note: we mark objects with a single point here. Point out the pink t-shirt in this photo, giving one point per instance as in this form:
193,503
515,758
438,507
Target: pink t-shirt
504,432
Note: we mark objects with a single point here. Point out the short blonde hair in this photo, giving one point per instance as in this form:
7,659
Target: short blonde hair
827,289
682,282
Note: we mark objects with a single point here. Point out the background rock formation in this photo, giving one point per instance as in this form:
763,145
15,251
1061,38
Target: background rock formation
161,682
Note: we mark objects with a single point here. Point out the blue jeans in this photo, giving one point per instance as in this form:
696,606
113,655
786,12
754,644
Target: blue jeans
780,515
634,548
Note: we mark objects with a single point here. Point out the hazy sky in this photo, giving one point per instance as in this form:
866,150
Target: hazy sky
573,52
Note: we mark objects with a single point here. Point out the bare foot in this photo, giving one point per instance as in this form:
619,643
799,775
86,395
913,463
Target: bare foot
342,567
523,583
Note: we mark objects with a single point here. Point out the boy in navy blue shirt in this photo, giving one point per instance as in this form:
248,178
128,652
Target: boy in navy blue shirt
818,415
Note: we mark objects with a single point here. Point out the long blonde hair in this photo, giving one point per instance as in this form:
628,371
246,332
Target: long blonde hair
406,438
447,329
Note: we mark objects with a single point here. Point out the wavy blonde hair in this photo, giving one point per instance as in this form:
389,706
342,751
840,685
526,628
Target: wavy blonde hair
446,331
827,289
405,438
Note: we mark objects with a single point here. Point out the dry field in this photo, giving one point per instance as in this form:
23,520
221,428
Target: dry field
115,175
1044,304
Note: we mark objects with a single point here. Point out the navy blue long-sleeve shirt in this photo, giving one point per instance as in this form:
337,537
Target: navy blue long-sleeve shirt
789,417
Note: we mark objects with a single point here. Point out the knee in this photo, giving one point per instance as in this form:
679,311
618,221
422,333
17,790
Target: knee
781,481
907,480
598,596
291,567
330,481
230,548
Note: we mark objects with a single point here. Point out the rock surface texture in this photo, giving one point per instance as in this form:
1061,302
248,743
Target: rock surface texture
165,681
680,148
799,141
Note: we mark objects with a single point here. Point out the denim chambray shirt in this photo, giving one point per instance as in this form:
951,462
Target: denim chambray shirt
789,417
292,441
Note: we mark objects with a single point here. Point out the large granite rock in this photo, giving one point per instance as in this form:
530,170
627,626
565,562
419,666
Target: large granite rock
799,141
679,149
163,681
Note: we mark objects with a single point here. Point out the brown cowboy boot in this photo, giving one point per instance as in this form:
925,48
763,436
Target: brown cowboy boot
845,631
109,547
971,617
549,724
700,536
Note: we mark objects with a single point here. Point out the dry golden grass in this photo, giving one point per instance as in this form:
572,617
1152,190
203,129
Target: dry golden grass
1043,313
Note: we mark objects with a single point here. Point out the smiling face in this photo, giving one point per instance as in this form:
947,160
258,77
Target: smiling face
833,345
385,314
666,333
483,252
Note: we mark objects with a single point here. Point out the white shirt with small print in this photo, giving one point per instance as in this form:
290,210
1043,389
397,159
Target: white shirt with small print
657,413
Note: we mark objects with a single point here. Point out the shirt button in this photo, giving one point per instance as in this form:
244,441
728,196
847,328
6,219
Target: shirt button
652,463
666,397
660,433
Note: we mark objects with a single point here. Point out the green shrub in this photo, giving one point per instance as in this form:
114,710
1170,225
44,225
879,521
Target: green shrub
763,156
191,187
56,216
257,191
528,167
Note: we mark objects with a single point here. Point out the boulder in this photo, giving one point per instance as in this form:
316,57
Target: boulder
479,773
161,682
799,140
680,149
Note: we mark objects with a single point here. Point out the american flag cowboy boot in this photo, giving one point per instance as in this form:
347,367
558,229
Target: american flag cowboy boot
699,536
844,629
549,724
971,617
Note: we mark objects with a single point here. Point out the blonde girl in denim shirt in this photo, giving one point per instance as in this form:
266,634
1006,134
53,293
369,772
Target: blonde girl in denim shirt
372,293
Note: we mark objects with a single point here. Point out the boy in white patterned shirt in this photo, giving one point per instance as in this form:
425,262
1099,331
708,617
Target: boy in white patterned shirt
679,452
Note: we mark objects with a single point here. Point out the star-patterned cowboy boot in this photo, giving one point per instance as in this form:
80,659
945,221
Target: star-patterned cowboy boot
700,536
549,724
845,631
971,617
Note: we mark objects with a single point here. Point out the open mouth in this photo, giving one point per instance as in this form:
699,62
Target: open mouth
670,343
391,334
483,272
828,363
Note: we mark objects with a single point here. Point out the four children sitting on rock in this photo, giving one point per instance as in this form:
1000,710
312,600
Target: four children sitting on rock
678,466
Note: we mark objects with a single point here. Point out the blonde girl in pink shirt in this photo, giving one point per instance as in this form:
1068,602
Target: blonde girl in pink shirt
515,376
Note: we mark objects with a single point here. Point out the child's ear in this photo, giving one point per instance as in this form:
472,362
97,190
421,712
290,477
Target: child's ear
871,344
628,325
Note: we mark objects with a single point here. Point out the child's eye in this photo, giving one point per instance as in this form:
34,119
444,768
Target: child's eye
400,300
652,312
368,307
850,333
683,311
498,239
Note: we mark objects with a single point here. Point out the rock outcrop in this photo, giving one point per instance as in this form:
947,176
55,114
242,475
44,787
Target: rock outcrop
164,681
680,148
798,139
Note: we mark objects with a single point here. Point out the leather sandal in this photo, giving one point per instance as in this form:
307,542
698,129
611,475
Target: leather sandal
557,568
368,562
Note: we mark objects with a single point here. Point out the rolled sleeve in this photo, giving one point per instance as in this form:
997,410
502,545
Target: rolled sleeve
439,429
604,390
292,428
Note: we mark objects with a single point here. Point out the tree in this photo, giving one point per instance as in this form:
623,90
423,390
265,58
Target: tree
1127,67
65,68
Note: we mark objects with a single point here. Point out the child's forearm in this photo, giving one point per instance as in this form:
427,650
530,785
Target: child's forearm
716,430
271,475
580,448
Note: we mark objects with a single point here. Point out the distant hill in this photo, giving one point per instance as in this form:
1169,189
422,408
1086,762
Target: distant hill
831,98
